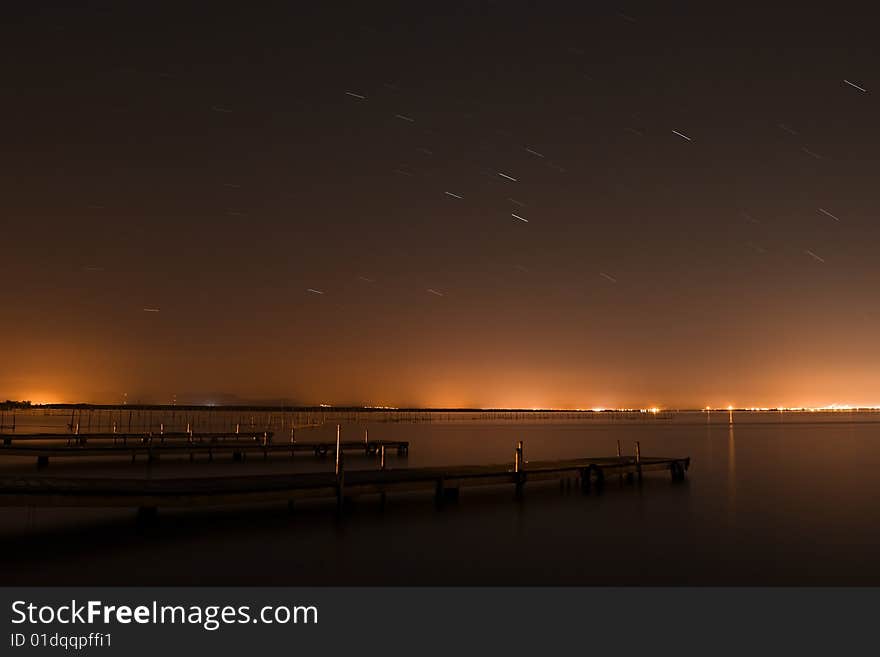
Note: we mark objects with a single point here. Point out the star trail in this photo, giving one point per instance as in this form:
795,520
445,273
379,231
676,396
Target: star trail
249,177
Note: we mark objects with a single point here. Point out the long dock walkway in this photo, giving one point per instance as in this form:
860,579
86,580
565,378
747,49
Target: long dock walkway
151,494
43,446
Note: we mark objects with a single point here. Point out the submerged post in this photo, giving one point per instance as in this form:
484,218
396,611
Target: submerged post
382,467
586,475
677,469
639,460
340,469
519,468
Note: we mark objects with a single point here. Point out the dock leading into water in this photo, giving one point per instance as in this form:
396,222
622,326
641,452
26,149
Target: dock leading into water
43,446
148,495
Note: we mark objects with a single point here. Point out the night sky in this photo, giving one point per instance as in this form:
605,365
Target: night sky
310,203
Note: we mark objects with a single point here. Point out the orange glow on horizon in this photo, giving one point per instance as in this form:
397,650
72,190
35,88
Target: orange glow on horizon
441,398
44,398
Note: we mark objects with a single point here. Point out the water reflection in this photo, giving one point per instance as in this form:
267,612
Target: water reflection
760,491
731,475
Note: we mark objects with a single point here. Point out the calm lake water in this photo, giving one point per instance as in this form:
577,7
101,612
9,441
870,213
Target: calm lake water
772,498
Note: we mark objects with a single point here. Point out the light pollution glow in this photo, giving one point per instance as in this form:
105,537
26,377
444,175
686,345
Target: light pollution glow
45,398
722,264
56,375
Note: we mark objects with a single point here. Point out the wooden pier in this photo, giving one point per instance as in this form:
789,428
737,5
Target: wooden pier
43,446
445,482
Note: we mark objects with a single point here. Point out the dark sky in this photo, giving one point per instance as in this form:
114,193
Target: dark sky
216,164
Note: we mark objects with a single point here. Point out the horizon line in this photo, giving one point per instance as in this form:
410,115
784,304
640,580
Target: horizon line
653,410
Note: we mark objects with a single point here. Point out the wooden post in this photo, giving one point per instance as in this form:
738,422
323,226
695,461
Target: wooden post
382,467
638,460
366,441
443,494
586,478
600,479
438,492
678,469
292,442
519,468
340,469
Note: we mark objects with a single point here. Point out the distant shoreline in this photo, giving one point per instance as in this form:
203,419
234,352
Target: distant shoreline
414,409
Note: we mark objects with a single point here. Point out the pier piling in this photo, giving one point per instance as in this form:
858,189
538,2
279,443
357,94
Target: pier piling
340,469
447,482
639,461
519,468
619,458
